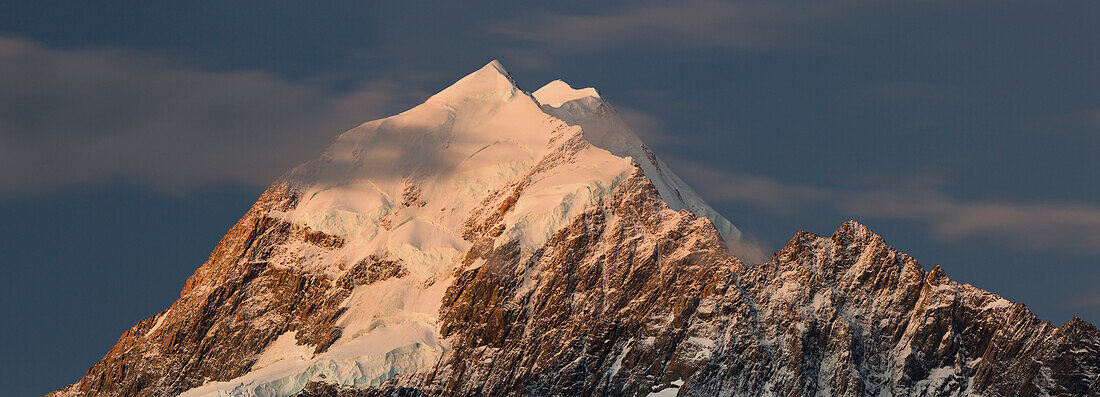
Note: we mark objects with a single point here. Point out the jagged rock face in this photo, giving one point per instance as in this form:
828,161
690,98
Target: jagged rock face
538,248
601,308
234,306
839,315
849,315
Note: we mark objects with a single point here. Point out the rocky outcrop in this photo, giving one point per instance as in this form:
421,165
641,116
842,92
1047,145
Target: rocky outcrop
850,315
233,307
599,309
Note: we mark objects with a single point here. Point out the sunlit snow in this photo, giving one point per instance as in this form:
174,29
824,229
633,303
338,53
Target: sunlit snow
402,188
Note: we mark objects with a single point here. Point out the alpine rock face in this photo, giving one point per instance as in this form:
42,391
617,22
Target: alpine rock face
495,242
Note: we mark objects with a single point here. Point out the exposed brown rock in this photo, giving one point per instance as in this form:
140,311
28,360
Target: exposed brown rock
626,299
231,308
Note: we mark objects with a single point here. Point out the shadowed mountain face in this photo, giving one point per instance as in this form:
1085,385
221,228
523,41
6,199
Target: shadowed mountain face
495,242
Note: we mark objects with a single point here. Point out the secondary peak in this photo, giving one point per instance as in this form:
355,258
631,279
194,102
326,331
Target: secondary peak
558,92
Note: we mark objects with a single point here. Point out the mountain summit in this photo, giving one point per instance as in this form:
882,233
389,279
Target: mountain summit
492,241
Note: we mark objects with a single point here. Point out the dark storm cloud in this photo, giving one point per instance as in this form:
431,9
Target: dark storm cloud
79,117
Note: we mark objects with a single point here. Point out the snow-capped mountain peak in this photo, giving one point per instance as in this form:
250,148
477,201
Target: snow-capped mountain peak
492,242
558,92
489,82
479,166
477,135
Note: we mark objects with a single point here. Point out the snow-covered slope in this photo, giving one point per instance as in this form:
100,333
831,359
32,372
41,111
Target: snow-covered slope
603,127
481,133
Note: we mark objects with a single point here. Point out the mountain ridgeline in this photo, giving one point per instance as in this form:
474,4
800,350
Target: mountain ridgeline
492,241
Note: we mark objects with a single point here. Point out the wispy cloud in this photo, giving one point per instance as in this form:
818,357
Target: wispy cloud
1088,300
908,92
1080,123
691,24
720,185
647,127
704,24
923,105
71,117
1029,226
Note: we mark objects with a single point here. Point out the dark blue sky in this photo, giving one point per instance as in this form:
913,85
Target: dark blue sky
133,134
